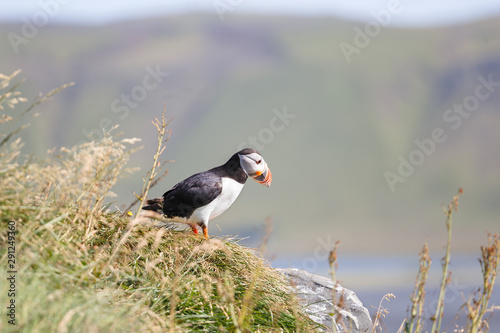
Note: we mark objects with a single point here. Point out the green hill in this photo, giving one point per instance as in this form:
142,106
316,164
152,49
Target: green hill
352,122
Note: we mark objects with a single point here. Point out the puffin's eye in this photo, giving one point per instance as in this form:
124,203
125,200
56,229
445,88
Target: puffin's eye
259,161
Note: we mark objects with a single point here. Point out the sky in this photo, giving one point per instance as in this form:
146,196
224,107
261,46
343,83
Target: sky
411,13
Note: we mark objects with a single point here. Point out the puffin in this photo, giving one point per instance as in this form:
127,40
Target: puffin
205,195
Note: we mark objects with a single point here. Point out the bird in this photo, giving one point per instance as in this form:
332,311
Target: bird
205,195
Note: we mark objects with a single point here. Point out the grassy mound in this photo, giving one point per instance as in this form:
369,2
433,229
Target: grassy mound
76,266
81,268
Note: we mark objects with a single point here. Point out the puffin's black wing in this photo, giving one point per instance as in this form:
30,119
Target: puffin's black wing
194,192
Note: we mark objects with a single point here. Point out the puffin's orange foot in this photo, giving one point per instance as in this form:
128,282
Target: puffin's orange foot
205,231
195,230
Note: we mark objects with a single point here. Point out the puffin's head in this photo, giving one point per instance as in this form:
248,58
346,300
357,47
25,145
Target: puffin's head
255,166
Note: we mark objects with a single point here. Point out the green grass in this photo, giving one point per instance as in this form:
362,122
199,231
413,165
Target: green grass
82,267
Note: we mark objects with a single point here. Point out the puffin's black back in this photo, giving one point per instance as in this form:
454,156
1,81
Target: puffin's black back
201,189
194,192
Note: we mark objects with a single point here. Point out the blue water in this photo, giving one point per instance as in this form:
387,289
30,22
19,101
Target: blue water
371,277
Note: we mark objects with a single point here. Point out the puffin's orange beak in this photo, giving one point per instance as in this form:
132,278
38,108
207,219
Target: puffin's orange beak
264,178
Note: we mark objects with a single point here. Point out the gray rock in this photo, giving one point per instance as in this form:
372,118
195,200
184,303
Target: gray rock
321,299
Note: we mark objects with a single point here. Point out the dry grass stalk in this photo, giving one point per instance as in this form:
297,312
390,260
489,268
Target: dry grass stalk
11,97
332,261
163,136
414,323
438,316
381,311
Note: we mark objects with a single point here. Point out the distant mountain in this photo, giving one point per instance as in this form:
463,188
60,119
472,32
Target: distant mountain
367,130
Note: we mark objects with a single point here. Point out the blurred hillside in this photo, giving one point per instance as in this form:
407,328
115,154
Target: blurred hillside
328,128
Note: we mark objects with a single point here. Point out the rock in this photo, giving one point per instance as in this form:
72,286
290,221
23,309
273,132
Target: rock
315,293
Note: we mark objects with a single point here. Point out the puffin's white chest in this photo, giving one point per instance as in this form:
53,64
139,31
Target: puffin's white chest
230,191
